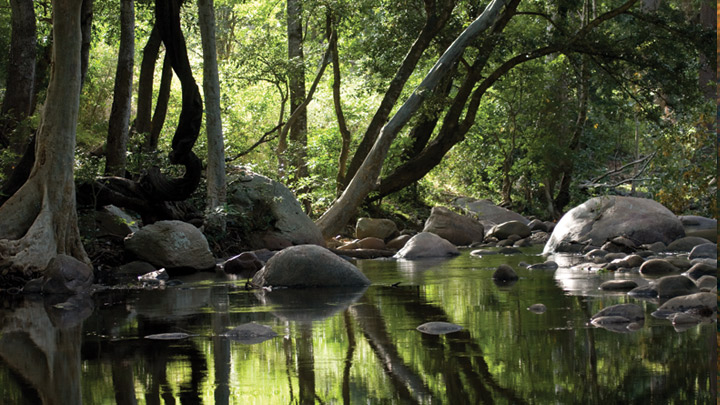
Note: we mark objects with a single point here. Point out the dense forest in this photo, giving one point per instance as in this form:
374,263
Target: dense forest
357,106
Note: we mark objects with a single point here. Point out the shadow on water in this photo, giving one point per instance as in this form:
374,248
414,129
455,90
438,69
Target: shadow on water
352,346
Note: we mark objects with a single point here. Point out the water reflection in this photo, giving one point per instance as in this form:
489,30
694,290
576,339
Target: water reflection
342,346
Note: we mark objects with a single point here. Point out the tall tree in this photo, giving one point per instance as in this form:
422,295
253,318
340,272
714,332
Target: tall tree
40,220
119,125
216,188
297,142
19,90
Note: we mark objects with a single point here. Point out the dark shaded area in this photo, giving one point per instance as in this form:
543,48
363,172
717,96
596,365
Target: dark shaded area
149,195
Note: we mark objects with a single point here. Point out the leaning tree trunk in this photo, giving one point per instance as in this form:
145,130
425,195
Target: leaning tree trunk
340,212
119,125
40,221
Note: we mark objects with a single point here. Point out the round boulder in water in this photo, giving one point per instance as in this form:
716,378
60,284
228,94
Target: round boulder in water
603,218
427,244
309,266
439,328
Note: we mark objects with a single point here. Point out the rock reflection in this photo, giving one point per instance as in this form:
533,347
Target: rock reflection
309,304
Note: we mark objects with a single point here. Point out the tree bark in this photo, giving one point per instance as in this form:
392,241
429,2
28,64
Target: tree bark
340,212
143,117
19,89
297,142
119,125
345,134
40,221
216,187
437,16
161,105
151,194
86,19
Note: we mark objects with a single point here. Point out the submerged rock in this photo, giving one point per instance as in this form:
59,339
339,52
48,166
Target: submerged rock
250,333
632,312
505,273
439,328
537,308
169,336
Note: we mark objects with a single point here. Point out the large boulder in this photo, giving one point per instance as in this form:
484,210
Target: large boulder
380,228
426,244
458,229
309,266
269,213
700,226
171,244
488,213
603,218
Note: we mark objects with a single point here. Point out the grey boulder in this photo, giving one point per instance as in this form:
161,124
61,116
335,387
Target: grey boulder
425,245
308,266
171,244
603,218
457,229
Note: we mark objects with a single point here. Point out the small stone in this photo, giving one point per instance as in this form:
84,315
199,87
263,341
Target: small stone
537,308
439,328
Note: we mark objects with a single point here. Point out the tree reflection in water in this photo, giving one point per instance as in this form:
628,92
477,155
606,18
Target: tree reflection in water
340,346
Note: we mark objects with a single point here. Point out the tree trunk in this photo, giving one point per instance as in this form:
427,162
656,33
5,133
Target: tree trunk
86,26
18,100
297,142
216,188
708,69
345,134
338,215
151,194
119,125
143,117
40,221
161,105
434,22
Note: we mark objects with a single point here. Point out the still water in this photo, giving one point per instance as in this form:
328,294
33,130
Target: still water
361,346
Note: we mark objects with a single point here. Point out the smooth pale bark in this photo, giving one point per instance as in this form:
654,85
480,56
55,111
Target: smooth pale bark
216,187
18,100
119,125
40,220
438,14
340,212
